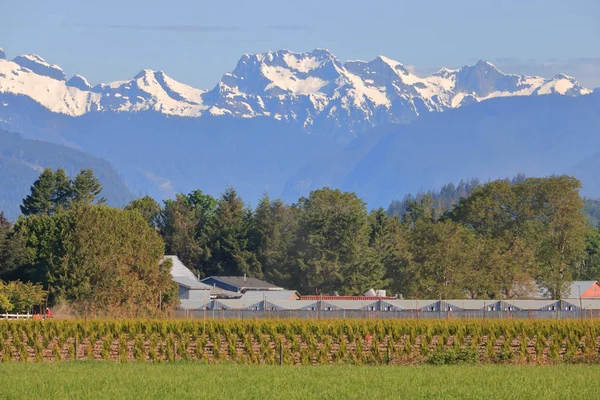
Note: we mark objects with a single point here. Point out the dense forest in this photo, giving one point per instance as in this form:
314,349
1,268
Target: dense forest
492,240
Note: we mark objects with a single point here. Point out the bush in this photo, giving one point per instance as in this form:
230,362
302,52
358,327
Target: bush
452,357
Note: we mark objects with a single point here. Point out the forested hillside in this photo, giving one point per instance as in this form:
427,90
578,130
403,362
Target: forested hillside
22,160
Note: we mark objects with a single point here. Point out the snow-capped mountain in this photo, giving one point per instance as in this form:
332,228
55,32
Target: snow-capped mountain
314,90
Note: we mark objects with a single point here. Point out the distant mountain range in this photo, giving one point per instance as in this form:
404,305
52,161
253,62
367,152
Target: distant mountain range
286,123
314,90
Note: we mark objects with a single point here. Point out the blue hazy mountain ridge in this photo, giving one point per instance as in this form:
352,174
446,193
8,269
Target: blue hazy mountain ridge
498,138
161,155
22,160
280,122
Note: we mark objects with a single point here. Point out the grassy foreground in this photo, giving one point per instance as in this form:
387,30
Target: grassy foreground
97,380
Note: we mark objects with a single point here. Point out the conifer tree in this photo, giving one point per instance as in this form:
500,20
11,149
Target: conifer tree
87,188
39,201
230,251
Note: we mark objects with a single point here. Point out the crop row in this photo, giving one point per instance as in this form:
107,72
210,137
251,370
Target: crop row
301,341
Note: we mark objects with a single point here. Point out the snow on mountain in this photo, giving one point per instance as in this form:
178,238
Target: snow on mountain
79,82
39,66
2,54
51,93
313,89
150,90
561,84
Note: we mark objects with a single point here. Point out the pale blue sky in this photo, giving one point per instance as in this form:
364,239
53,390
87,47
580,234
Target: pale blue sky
196,41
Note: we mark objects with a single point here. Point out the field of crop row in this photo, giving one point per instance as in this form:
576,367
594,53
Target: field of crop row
305,342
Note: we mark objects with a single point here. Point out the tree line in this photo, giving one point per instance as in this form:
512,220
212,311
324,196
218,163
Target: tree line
499,241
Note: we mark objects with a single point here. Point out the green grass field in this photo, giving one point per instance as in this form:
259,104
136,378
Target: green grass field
98,380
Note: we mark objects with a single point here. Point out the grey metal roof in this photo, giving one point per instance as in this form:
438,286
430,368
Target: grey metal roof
237,304
259,295
245,282
472,304
349,304
220,293
178,269
579,287
293,304
193,304
411,304
532,304
191,283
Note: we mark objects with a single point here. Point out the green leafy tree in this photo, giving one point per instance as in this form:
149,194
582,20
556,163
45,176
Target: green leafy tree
98,259
442,258
21,297
589,269
332,237
558,206
5,304
148,208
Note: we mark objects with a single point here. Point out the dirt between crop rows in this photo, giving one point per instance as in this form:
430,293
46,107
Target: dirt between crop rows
264,349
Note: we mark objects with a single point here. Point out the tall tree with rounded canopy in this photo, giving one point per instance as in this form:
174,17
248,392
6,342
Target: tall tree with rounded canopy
331,242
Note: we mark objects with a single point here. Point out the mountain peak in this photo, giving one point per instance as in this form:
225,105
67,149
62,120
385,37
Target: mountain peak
2,54
485,64
144,73
39,66
79,82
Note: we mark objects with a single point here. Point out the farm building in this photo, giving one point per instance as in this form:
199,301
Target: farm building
584,289
240,284
189,287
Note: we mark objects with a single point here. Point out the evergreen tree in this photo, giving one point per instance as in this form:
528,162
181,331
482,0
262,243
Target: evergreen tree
5,228
230,250
62,193
87,188
274,229
39,201
388,239
185,225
